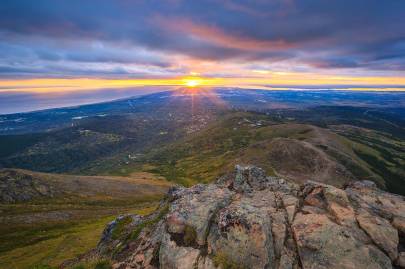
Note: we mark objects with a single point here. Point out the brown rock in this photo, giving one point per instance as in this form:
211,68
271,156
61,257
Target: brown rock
365,195
324,244
172,256
286,262
335,195
315,198
306,209
291,204
279,231
248,220
399,224
401,260
381,232
343,215
205,263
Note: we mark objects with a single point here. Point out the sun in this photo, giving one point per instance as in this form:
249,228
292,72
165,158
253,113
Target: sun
192,82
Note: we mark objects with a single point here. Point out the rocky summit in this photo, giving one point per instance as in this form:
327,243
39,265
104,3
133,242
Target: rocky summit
249,220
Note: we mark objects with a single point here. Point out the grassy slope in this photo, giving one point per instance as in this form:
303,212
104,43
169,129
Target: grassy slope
381,151
62,242
49,230
204,156
259,139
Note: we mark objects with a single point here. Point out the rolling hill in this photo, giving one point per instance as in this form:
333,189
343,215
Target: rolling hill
43,214
191,137
294,151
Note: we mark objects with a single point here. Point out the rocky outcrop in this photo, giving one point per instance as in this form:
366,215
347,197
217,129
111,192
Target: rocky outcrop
16,186
249,220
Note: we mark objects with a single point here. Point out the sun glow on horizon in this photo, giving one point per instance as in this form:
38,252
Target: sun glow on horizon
192,82
287,80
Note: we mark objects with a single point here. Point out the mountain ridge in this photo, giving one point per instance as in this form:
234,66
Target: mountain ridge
18,185
249,220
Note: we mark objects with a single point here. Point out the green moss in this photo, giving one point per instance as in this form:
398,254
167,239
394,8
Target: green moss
135,233
190,235
120,227
223,261
103,264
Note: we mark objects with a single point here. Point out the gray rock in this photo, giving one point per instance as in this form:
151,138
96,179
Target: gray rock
242,231
195,209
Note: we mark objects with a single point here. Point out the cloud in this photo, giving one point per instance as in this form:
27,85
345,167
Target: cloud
218,37
160,35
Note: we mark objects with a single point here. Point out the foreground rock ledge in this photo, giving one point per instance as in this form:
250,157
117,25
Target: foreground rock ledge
249,220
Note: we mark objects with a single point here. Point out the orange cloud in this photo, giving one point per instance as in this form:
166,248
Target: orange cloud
217,36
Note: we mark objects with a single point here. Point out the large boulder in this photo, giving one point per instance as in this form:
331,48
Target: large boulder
249,220
242,232
323,243
381,232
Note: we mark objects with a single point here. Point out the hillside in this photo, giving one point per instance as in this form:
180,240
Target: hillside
335,155
193,136
43,214
249,220
27,186
102,137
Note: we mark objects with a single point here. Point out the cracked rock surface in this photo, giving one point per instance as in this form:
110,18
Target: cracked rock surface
249,220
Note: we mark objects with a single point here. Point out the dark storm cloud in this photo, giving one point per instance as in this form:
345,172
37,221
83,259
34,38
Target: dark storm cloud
367,34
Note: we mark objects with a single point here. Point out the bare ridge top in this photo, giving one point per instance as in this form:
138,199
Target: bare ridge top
249,220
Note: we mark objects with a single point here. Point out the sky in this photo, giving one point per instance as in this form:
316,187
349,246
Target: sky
70,45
